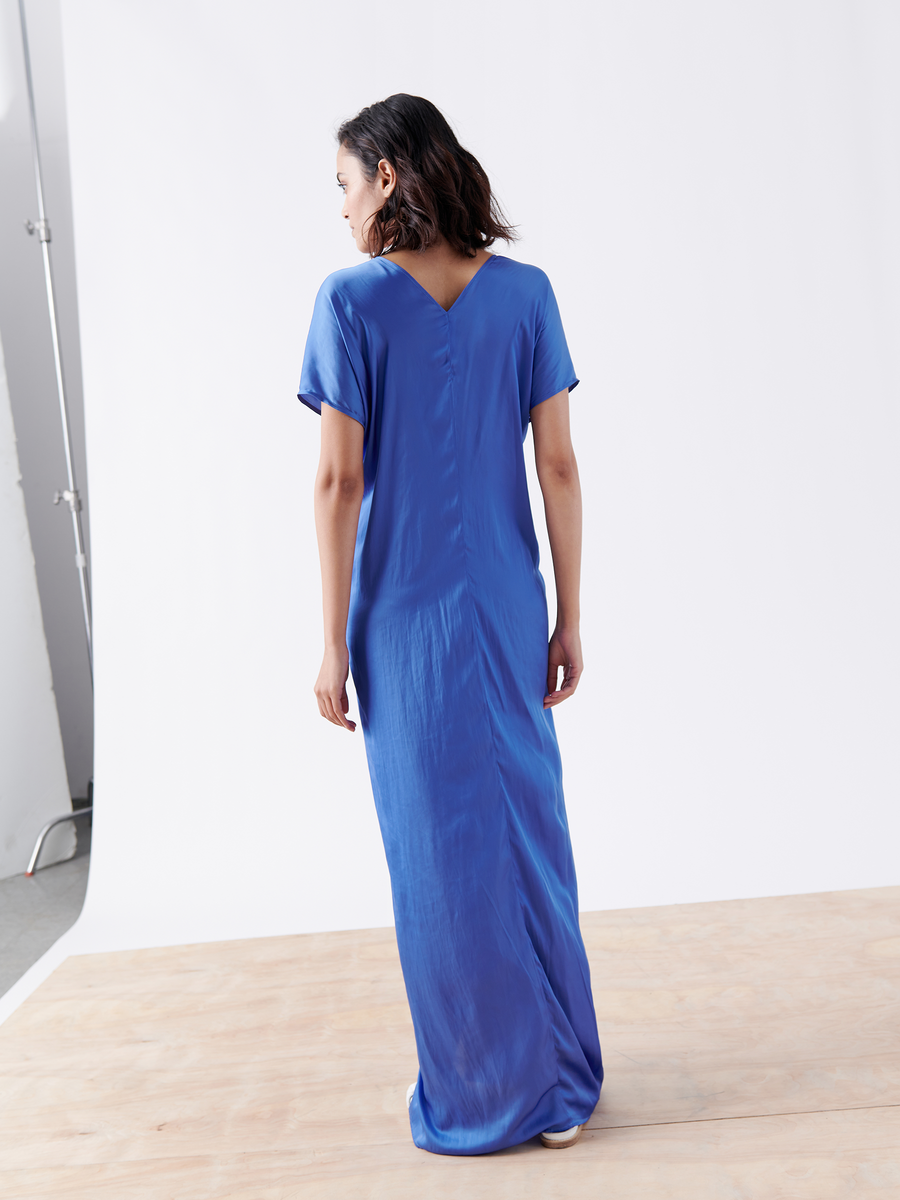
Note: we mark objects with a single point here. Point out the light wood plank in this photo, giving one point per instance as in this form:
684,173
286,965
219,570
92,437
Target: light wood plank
253,1064
818,1156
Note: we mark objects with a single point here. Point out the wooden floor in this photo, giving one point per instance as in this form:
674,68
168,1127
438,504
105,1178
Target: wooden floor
752,1050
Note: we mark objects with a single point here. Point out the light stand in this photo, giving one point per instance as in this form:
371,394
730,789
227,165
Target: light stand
70,494
42,228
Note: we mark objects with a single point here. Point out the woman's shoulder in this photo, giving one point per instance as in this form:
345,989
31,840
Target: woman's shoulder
529,277
350,282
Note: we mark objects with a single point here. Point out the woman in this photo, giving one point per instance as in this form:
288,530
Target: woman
426,364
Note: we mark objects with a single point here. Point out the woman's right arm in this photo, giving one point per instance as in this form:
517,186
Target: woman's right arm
338,498
557,473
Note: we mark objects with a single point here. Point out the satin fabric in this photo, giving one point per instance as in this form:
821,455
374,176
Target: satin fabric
448,633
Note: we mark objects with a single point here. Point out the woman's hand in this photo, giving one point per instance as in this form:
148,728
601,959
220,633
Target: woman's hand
564,651
331,687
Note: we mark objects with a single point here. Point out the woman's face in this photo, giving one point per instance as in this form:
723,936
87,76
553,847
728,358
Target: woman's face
362,199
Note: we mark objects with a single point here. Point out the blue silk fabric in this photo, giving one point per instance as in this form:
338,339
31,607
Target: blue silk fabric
448,634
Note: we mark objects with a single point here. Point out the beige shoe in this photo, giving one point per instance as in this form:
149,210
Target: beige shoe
563,1139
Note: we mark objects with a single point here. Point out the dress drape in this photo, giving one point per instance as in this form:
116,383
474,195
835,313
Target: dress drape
447,634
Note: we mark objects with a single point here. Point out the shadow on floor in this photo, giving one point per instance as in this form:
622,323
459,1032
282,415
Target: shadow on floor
35,912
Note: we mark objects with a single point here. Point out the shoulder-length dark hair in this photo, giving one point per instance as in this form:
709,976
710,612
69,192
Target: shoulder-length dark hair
441,188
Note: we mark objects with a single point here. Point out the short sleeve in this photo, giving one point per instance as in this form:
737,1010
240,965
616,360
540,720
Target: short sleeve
552,370
333,370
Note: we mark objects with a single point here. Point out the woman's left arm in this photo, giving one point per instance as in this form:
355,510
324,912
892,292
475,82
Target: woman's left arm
337,498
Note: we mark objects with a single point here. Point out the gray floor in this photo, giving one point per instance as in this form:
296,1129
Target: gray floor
35,912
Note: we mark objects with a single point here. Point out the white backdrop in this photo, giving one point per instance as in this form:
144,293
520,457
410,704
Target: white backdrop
713,192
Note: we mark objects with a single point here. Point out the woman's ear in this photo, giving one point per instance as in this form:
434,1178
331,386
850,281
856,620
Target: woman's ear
387,177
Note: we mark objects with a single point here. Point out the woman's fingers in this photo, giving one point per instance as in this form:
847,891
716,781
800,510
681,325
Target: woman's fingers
337,706
340,719
342,708
333,710
563,693
552,677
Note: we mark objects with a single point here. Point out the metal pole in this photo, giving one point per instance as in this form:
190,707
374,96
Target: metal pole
32,862
42,228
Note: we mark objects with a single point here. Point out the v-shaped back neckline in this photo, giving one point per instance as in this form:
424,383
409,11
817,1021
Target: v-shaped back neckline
445,311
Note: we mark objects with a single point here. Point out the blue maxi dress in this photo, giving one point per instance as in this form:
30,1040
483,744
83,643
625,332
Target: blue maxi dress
447,635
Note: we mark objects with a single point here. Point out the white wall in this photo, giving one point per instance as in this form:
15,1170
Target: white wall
25,328
33,788
712,190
